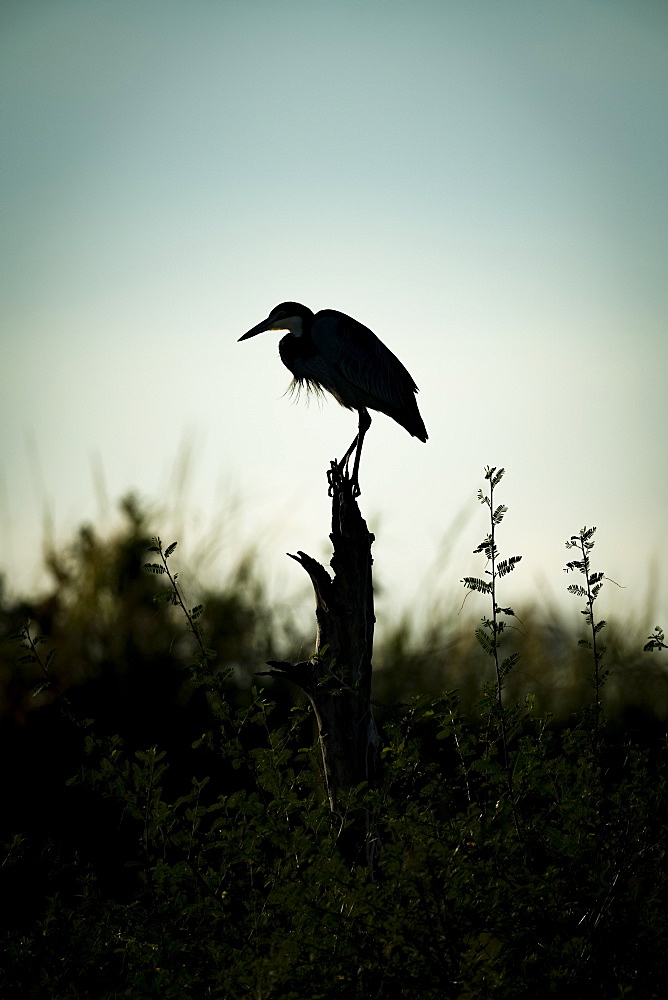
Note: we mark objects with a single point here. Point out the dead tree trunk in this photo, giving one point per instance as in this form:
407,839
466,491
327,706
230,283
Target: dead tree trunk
337,678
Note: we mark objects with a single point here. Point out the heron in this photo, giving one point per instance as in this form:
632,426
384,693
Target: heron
330,351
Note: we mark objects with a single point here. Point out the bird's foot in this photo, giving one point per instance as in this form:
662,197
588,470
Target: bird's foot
337,476
334,476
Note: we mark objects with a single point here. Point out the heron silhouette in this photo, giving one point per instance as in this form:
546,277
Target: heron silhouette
329,350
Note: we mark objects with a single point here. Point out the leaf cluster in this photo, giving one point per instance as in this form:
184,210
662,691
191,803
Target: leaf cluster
225,893
584,542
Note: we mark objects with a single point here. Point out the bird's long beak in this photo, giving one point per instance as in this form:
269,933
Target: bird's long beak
265,325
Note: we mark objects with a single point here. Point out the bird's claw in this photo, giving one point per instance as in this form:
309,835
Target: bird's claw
337,475
334,476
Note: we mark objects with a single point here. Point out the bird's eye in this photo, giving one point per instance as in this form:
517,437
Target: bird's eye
280,315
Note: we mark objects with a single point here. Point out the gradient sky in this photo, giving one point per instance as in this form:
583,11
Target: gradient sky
483,184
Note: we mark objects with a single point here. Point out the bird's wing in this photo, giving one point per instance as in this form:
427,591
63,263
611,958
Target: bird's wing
357,354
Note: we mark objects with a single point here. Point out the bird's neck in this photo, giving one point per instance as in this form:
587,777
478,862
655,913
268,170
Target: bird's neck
294,324
295,347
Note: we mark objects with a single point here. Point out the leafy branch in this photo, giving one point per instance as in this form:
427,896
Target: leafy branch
584,543
31,643
173,595
655,640
490,634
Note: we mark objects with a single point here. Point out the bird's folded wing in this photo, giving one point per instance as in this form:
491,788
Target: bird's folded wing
359,357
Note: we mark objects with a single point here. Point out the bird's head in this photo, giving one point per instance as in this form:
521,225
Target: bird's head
290,316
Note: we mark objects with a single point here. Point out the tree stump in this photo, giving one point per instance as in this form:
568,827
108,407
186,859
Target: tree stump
337,678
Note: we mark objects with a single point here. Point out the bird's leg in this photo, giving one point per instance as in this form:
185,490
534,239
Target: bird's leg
343,464
339,469
364,425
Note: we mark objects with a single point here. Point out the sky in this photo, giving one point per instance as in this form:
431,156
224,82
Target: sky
482,184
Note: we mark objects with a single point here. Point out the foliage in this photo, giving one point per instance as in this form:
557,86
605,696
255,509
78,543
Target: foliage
180,844
490,635
244,893
584,542
655,640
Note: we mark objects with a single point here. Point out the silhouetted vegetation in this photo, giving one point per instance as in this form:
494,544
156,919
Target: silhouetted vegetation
165,831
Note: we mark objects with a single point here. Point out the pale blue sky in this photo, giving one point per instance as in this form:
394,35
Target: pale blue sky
484,184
